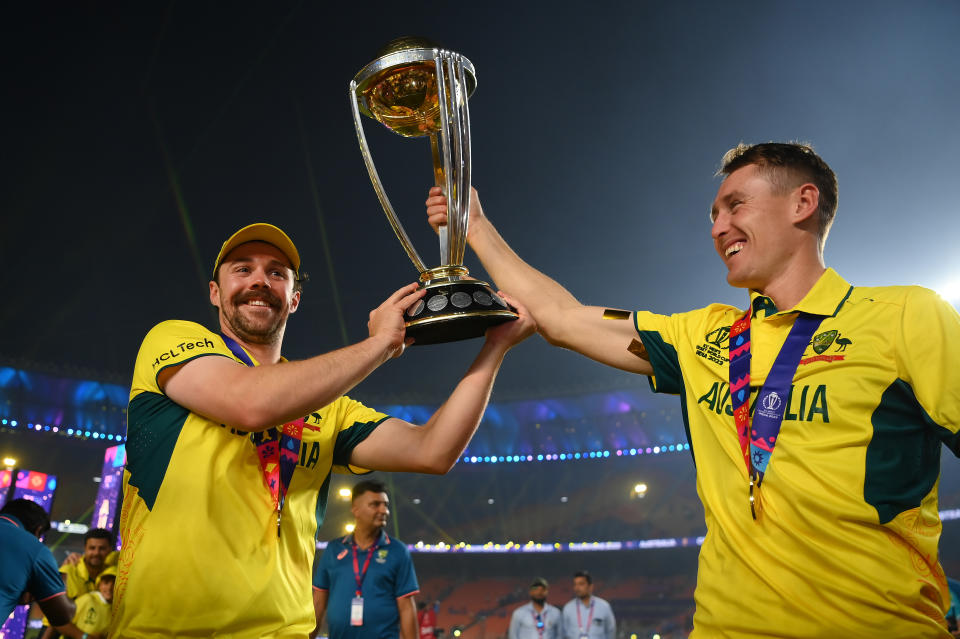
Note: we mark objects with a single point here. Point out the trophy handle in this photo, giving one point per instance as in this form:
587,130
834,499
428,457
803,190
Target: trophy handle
378,185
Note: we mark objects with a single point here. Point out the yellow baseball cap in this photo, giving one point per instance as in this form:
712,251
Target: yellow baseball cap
108,571
261,232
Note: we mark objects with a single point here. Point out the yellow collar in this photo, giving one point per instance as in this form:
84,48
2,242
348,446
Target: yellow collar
825,298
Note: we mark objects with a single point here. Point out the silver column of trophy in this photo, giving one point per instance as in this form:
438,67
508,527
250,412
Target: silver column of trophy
417,89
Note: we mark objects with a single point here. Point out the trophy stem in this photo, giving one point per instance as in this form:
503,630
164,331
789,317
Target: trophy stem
449,170
439,180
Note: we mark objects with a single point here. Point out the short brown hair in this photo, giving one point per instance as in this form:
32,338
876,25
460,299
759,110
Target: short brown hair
787,165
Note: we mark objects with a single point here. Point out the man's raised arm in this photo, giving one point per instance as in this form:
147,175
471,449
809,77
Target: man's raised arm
260,397
604,334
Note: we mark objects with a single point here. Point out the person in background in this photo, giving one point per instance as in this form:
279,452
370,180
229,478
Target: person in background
536,619
92,619
427,620
28,571
586,616
365,599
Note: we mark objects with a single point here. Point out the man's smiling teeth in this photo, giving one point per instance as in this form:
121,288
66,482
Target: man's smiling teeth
257,303
734,248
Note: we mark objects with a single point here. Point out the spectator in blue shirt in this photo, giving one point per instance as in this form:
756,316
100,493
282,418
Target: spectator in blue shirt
586,616
536,619
28,571
365,582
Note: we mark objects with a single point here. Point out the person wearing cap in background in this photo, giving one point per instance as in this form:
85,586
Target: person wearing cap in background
536,619
586,616
231,446
92,618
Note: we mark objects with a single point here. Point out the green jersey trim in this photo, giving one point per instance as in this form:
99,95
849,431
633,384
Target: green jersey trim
155,422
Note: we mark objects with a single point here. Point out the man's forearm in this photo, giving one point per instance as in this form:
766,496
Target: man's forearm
452,426
435,447
408,618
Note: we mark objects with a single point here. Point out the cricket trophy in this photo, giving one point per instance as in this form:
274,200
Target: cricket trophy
417,89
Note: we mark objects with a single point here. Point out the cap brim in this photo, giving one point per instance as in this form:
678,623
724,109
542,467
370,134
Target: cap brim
261,232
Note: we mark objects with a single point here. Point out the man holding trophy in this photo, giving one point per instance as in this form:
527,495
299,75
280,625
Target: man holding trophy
230,446
818,455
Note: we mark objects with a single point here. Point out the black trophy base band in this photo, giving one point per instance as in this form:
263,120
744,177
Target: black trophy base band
454,311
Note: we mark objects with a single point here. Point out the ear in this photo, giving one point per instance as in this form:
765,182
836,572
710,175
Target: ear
214,293
808,199
295,302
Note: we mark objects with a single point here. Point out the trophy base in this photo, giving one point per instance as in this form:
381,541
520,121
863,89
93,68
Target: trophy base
455,310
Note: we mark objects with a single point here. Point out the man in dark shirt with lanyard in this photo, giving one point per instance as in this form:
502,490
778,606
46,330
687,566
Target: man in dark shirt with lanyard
366,599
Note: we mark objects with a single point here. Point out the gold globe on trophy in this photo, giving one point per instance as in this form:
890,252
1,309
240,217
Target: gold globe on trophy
416,89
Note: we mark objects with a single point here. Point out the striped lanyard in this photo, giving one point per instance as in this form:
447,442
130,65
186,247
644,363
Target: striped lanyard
358,575
539,620
757,442
279,450
584,631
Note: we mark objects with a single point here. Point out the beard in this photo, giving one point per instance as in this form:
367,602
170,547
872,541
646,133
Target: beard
538,600
259,330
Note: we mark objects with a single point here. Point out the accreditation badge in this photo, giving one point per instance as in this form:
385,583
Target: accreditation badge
356,611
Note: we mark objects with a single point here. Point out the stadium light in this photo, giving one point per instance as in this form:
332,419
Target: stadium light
9,462
345,493
950,291
640,490
349,528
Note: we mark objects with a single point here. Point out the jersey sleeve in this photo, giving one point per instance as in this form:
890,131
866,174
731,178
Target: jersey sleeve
172,343
354,423
668,338
45,580
659,336
406,582
927,354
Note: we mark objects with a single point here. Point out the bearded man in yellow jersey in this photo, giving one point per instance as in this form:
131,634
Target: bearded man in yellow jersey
815,415
230,449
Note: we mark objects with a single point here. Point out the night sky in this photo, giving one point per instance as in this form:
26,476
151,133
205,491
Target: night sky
138,136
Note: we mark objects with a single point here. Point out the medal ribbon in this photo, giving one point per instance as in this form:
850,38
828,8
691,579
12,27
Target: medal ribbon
357,575
757,442
279,450
584,632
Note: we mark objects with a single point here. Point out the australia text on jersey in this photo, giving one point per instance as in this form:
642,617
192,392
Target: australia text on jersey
805,402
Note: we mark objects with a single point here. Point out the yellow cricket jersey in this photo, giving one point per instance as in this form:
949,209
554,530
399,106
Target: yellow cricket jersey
77,579
846,544
201,555
93,613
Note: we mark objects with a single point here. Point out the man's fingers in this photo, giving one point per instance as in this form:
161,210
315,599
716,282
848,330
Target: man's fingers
401,293
412,298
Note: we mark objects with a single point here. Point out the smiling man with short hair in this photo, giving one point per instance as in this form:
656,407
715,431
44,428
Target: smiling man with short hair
816,414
